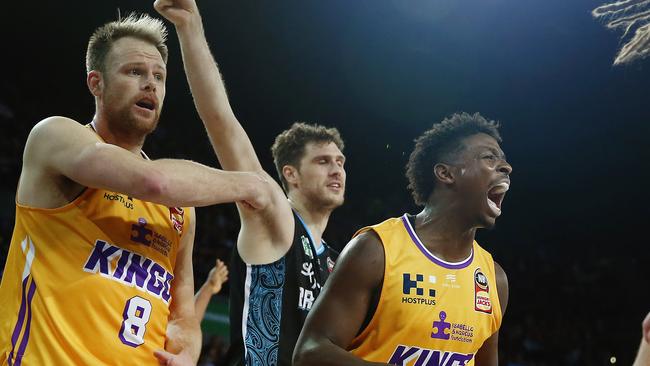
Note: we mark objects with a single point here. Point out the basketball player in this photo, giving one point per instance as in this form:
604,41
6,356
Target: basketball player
418,290
99,268
280,262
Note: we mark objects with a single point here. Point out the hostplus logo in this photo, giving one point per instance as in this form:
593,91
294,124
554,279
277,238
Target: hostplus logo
416,291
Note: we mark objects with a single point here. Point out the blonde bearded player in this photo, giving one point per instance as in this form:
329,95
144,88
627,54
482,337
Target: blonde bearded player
99,268
424,292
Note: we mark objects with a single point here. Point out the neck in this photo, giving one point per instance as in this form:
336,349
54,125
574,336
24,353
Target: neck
444,230
315,218
115,136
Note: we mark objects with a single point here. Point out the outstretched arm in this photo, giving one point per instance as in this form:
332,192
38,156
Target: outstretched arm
266,235
229,140
60,151
325,338
212,285
183,343
643,357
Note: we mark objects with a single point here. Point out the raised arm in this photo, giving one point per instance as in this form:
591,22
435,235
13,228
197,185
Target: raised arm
229,140
643,355
488,354
266,235
183,343
62,153
325,338
212,285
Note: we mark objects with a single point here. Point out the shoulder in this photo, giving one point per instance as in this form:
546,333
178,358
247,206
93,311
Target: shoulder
52,133
364,254
54,125
502,286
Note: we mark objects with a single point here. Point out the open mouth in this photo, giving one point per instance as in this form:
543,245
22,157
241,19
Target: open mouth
335,185
495,197
146,104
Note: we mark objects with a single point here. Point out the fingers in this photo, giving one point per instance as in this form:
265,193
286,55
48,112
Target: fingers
222,269
162,4
646,328
164,357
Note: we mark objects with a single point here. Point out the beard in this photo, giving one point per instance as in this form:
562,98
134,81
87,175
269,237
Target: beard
124,122
326,200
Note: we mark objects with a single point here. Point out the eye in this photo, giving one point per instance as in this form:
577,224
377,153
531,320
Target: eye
134,71
490,157
159,77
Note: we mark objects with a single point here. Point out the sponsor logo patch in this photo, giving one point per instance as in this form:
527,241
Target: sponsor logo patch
416,291
176,215
482,302
445,330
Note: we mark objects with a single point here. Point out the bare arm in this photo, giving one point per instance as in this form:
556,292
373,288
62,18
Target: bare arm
212,285
266,235
643,356
183,333
488,354
229,140
324,338
60,152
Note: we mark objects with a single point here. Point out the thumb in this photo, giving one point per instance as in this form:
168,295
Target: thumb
164,357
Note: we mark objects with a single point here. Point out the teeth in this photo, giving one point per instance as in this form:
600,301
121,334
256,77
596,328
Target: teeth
500,188
494,207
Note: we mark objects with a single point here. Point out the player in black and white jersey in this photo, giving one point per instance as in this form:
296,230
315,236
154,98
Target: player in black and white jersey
280,262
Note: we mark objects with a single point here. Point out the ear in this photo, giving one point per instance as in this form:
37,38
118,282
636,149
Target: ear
95,82
444,173
290,174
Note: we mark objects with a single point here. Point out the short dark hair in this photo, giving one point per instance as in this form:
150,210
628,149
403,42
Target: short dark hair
143,27
437,143
289,146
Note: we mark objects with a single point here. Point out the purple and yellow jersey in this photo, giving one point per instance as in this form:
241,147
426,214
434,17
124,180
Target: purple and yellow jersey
430,312
89,283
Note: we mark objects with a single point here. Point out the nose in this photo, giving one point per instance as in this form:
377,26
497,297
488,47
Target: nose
337,170
149,83
505,168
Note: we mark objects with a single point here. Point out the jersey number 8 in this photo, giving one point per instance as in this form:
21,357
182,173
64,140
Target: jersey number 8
136,316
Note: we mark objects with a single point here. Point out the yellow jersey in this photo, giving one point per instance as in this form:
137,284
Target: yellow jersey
430,312
89,283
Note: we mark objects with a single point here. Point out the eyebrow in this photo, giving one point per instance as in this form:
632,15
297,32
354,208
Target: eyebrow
494,150
156,66
336,157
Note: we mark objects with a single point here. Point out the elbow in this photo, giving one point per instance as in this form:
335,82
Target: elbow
304,355
153,186
260,191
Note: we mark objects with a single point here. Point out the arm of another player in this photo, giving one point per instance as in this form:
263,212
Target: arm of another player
643,356
325,337
230,141
266,235
212,285
488,354
59,146
183,332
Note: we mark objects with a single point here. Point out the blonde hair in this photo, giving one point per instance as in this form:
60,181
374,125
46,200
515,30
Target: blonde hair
141,26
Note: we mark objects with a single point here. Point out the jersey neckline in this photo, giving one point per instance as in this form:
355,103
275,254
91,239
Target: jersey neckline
439,261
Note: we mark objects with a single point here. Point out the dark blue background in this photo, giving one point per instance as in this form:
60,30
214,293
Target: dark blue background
575,128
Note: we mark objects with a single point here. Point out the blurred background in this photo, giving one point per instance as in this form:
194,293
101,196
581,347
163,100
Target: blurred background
575,128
